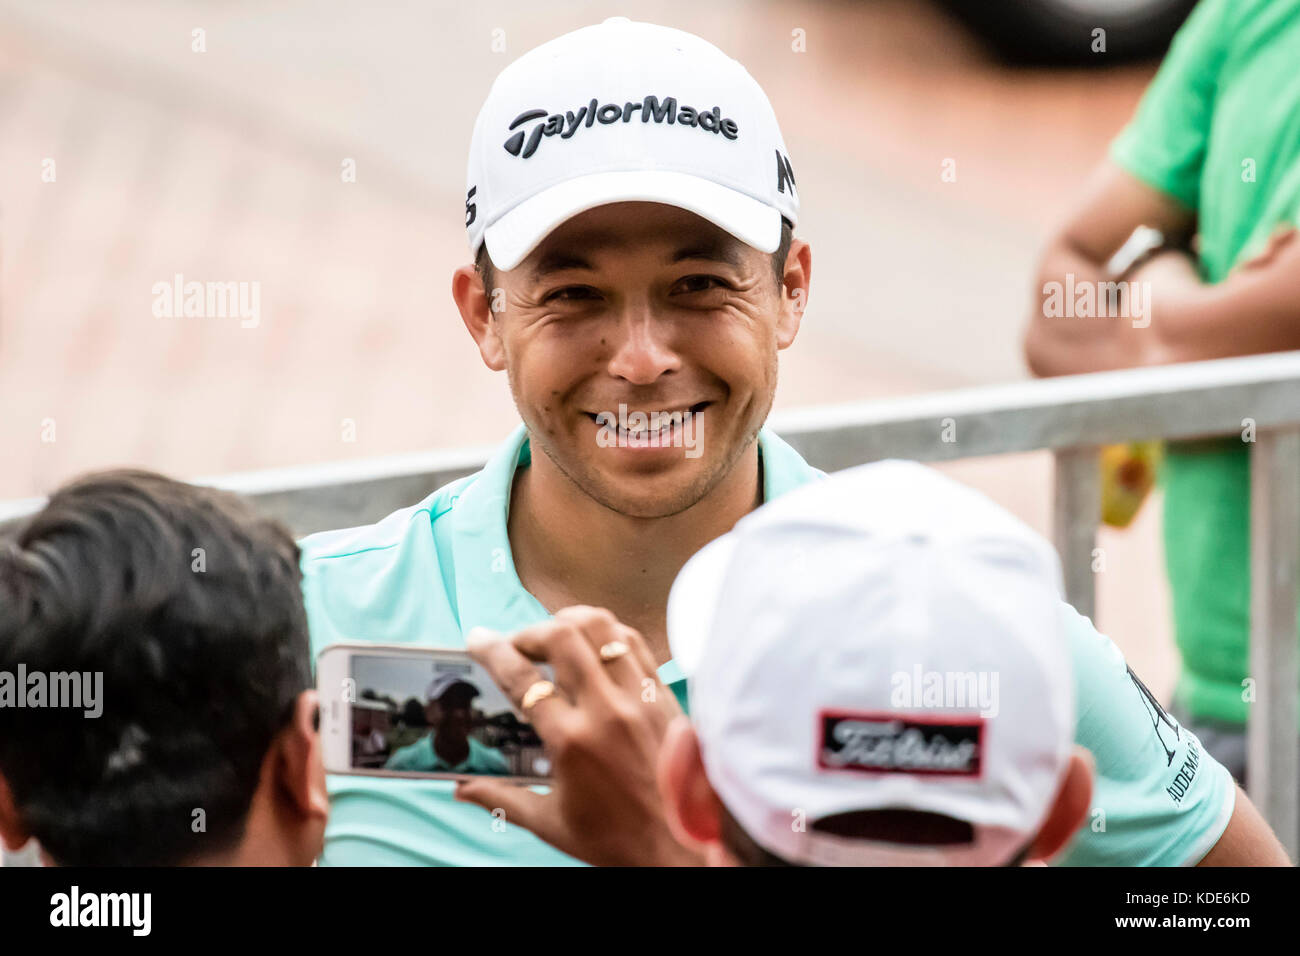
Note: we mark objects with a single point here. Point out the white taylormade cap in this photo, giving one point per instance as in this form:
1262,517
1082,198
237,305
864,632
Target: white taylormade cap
445,682
883,639
625,111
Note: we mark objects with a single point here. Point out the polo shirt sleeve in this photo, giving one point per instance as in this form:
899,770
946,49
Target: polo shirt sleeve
1165,143
1158,798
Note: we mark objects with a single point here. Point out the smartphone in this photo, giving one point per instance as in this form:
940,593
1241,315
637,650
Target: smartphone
421,712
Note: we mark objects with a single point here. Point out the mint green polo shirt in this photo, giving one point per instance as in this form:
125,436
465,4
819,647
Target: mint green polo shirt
427,574
1219,131
420,756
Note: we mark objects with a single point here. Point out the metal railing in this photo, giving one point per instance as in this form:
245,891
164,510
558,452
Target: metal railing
1256,399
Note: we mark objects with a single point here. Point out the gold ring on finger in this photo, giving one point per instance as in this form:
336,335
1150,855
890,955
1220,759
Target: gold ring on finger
535,694
613,650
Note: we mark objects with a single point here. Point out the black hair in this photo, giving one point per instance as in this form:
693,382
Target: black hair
903,827
782,251
189,603
487,271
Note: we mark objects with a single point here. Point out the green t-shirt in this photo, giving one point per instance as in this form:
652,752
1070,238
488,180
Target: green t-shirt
1219,131
427,574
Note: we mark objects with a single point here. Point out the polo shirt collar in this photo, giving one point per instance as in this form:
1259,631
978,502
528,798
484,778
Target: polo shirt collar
488,590
783,468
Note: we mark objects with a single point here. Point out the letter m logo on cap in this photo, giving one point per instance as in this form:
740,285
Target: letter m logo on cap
784,173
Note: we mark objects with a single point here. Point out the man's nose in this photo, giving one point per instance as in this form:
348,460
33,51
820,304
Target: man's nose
643,348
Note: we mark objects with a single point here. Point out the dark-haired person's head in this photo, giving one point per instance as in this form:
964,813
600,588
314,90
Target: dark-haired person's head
450,708
413,713
160,708
879,675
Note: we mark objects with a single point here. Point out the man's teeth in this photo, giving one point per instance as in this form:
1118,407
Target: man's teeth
665,420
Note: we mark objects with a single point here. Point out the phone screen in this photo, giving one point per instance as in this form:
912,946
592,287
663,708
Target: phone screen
435,714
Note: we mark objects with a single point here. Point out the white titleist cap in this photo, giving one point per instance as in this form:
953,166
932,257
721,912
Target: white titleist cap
883,639
624,111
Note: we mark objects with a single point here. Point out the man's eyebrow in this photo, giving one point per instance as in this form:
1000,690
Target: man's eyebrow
713,251
558,262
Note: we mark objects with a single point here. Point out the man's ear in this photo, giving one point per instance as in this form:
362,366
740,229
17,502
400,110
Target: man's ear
475,304
692,808
12,830
1068,811
794,291
299,765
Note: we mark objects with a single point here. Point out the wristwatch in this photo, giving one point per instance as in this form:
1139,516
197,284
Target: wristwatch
1141,245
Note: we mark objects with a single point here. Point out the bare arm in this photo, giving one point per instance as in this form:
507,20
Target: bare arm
1247,840
1255,309
1114,205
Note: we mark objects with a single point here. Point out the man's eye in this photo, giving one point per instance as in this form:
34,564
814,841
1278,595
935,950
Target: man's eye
571,293
700,283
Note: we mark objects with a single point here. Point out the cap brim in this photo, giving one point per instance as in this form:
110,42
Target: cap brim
693,602
516,234
439,688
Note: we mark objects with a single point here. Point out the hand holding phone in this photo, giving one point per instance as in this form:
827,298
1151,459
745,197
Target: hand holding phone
603,721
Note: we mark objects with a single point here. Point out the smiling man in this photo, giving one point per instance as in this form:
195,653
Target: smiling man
650,308
631,208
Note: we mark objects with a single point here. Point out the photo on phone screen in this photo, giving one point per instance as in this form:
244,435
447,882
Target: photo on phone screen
430,713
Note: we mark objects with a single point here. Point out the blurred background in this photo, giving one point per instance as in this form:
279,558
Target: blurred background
128,156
